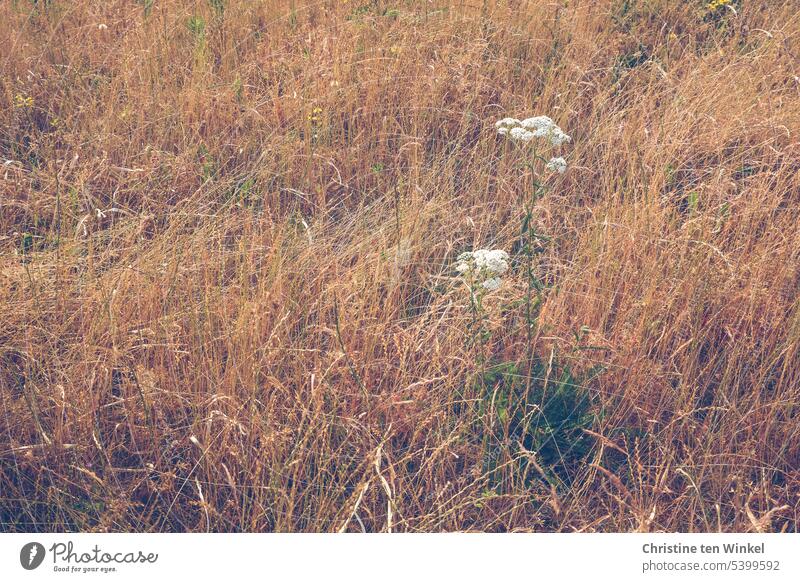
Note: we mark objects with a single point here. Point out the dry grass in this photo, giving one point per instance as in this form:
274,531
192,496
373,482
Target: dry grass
227,299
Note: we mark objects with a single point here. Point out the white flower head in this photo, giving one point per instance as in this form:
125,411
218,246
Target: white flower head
492,262
540,122
558,137
532,127
521,134
492,284
507,122
557,165
483,267
504,125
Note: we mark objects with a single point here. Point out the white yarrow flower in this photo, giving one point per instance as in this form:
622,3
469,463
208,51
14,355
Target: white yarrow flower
520,134
558,137
492,284
494,262
504,125
557,165
539,122
483,267
532,127
507,122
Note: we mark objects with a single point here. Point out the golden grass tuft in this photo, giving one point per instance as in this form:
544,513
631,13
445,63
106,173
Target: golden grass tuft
227,232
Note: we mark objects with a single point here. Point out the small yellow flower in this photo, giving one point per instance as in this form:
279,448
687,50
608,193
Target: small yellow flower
715,5
394,49
22,101
315,116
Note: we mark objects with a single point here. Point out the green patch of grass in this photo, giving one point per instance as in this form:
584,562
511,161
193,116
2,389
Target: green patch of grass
533,421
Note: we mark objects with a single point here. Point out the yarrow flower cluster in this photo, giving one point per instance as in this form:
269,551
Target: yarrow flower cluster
533,127
483,267
520,134
557,165
506,124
